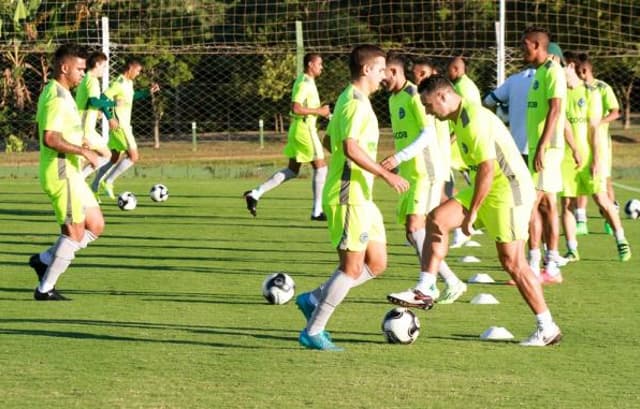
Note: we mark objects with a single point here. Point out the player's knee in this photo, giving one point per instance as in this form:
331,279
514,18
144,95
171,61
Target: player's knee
434,225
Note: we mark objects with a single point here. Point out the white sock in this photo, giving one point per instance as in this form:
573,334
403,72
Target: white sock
64,253
458,235
417,241
317,184
534,257
447,274
572,245
334,293
552,255
316,295
274,181
102,171
544,320
619,235
88,237
426,281
580,214
118,170
88,170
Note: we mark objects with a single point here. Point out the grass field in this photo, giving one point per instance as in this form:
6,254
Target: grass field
167,313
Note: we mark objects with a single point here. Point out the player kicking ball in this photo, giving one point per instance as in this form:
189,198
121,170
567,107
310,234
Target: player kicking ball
501,199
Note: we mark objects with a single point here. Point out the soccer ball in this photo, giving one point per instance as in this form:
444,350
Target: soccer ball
127,201
632,208
400,326
278,288
159,193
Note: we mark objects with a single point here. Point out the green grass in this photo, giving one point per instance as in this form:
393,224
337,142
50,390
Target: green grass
167,313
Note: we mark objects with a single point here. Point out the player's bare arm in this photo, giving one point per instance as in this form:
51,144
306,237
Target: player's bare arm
549,126
55,141
298,109
353,151
482,186
571,141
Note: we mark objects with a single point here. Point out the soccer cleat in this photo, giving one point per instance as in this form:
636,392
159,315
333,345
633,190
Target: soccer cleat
452,292
541,338
252,203
624,250
572,255
557,259
607,228
458,241
38,266
582,229
52,295
546,278
414,298
320,341
304,304
108,189
319,218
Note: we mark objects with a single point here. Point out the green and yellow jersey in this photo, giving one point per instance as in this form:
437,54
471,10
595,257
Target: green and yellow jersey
481,136
408,119
549,82
353,118
467,89
305,93
122,93
583,104
57,112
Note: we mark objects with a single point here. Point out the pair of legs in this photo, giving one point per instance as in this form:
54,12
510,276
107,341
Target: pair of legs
610,213
545,224
109,172
512,258
54,261
290,172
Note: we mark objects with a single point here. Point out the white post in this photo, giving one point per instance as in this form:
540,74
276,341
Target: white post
105,76
500,42
299,48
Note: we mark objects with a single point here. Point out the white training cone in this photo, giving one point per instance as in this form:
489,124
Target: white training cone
472,243
481,278
469,259
484,298
496,334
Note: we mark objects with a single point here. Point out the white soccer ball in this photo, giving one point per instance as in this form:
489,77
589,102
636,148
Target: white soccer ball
159,193
400,326
632,208
127,201
278,288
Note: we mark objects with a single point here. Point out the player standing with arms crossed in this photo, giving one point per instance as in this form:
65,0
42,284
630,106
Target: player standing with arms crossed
355,224
61,151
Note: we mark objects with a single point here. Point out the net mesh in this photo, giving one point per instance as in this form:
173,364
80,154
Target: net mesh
226,64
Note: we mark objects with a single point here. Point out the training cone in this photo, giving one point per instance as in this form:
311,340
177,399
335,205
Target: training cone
484,298
481,278
496,334
469,259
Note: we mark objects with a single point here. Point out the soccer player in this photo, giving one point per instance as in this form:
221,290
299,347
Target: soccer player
584,110
611,112
425,174
61,150
303,143
90,102
465,87
423,68
121,139
355,223
513,93
501,198
546,105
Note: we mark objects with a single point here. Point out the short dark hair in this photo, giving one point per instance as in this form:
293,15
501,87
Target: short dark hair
65,52
396,58
130,62
95,58
539,33
361,55
434,83
425,61
308,58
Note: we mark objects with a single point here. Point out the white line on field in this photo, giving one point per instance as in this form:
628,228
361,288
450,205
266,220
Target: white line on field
626,187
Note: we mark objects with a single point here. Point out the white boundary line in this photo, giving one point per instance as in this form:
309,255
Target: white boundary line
630,188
